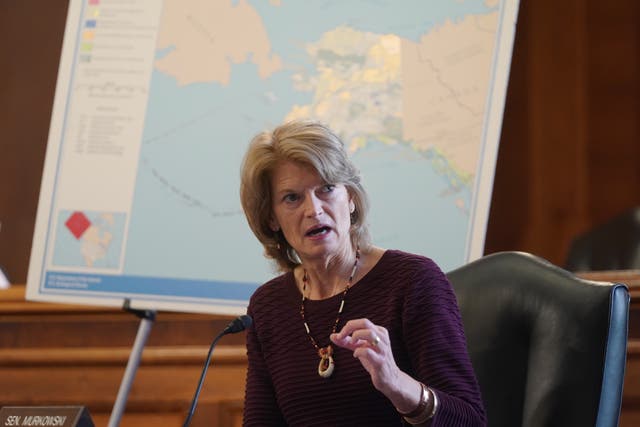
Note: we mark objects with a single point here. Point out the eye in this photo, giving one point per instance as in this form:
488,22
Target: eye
328,188
290,197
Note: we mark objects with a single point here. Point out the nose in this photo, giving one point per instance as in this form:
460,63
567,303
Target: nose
313,205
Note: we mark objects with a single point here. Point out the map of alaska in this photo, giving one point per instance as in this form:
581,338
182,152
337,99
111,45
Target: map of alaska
429,94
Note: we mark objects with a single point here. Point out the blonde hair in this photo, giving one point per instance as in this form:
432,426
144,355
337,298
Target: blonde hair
311,144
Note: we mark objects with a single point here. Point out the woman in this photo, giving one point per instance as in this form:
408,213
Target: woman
350,334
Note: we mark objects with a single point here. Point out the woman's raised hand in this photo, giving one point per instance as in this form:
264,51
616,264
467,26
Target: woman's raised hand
370,344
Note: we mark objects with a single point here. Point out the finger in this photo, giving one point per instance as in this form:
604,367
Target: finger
348,342
366,354
353,325
345,342
369,337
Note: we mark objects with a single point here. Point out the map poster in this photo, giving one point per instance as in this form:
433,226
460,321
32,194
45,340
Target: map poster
156,102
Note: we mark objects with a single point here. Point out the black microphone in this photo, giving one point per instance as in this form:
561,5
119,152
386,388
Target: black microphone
238,324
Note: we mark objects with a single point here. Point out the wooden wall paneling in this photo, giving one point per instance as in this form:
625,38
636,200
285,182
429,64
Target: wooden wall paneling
30,47
230,413
107,329
55,354
508,216
555,126
27,324
223,413
159,388
574,67
540,192
579,216
614,110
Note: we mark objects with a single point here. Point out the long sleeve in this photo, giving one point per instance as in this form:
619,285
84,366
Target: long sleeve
405,293
435,341
260,406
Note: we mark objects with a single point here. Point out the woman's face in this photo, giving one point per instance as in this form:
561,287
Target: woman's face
313,215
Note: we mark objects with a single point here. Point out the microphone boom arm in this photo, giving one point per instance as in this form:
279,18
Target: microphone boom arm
238,324
194,402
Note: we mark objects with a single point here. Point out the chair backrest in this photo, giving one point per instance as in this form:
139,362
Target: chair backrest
612,245
548,348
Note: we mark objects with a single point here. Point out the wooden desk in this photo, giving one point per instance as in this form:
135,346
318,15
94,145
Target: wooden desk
59,354
55,354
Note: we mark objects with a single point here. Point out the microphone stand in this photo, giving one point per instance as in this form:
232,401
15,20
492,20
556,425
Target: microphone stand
194,402
237,325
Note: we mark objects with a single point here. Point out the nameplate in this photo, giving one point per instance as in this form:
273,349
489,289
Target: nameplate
59,416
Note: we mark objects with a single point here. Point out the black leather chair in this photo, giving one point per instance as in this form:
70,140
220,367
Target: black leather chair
548,348
612,245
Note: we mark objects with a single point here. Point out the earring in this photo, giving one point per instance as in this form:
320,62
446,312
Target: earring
292,255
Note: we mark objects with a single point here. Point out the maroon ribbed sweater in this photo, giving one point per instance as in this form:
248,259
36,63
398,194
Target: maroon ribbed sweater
407,294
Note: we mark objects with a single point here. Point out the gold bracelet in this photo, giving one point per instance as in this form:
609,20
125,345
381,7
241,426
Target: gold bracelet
426,408
422,405
435,403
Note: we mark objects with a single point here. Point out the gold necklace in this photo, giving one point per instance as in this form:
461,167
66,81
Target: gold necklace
326,365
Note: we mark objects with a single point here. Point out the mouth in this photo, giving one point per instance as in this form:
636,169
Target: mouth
318,230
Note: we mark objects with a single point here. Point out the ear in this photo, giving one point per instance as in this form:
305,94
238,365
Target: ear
352,206
273,225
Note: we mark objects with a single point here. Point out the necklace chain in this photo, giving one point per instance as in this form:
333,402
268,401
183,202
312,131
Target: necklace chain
326,352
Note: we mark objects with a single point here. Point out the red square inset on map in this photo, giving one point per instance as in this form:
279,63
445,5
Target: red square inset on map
78,224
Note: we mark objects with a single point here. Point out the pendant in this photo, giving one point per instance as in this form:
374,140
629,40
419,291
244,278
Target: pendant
326,365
